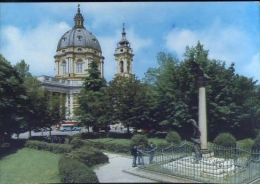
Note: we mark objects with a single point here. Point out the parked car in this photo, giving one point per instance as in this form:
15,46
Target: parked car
76,129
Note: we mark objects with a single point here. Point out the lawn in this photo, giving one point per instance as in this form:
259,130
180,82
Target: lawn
29,166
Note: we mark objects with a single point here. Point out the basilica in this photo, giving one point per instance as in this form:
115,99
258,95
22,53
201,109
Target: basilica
75,50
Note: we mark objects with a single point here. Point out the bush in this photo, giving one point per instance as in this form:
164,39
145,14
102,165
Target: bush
73,171
139,139
88,156
119,135
245,144
52,147
90,135
173,137
225,140
256,145
76,143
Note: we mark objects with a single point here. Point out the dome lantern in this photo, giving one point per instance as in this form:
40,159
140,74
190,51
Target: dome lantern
78,19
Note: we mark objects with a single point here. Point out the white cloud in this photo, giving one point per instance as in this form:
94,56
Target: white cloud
229,44
36,46
253,67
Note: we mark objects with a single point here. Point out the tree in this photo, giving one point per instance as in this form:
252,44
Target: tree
232,99
12,102
23,69
127,99
90,99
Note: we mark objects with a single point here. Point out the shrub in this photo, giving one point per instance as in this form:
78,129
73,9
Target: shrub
139,139
256,145
73,171
173,137
76,143
119,135
225,140
52,147
245,143
88,156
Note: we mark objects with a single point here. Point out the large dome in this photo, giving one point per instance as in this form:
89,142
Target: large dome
78,37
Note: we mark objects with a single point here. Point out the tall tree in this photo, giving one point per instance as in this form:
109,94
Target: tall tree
13,100
91,97
128,101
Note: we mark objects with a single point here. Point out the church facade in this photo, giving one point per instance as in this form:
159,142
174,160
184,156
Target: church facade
75,50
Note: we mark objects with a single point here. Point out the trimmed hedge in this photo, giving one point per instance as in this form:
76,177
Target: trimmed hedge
74,171
52,147
76,143
245,143
139,139
88,156
256,145
108,146
225,140
173,137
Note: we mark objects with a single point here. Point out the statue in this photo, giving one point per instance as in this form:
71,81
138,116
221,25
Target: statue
201,76
196,140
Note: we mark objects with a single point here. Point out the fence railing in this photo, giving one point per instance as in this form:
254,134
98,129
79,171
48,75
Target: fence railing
220,165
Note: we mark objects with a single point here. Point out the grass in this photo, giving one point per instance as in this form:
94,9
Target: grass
29,166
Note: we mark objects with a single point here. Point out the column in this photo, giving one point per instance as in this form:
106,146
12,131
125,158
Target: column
67,105
71,105
56,68
203,118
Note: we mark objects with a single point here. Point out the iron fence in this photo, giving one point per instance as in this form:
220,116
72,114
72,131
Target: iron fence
219,165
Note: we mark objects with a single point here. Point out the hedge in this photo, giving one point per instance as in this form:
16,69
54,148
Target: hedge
73,171
52,147
88,156
108,146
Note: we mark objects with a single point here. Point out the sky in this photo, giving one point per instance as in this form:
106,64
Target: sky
229,30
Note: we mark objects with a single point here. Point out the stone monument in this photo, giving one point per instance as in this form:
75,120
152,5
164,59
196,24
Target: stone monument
201,79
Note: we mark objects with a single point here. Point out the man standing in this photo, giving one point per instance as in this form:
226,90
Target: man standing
134,153
140,155
151,152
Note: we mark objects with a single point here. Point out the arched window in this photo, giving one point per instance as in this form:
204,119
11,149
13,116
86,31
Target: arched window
121,66
128,67
64,68
79,66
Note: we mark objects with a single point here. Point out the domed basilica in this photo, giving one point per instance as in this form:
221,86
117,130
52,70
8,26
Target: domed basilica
75,50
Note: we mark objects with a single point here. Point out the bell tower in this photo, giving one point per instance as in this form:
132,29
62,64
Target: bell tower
124,56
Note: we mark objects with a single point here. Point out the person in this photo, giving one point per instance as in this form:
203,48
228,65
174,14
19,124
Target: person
151,152
134,153
140,155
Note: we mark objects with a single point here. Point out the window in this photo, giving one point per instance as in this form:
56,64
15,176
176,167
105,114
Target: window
79,66
121,66
79,49
79,38
64,68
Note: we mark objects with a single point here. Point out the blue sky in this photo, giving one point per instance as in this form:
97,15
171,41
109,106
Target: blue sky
229,30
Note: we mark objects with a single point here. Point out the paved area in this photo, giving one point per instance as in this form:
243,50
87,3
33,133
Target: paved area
113,172
120,170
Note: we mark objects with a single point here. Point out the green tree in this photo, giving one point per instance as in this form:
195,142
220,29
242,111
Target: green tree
91,110
128,101
13,100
